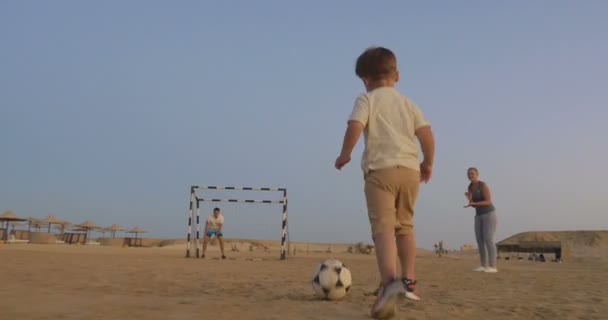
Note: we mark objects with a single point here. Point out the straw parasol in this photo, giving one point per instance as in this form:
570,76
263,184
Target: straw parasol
34,223
7,217
103,232
62,227
88,226
14,224
50,220
113,228
136,230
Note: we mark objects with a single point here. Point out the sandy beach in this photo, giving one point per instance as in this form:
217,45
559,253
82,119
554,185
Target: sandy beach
132,132
108,282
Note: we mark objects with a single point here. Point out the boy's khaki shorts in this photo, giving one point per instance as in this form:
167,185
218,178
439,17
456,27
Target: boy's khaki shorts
391,196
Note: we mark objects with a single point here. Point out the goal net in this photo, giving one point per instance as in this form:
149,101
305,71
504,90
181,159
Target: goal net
204,195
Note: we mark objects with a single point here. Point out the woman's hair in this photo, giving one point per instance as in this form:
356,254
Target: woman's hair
473,169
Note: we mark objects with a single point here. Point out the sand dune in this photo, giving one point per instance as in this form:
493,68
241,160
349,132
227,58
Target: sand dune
105,282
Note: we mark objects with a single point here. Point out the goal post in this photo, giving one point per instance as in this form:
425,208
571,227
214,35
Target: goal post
195,200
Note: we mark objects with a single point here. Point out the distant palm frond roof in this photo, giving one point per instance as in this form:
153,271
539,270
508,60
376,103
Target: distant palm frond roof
136,230
115,227
62,226
53,220
11,216
88,225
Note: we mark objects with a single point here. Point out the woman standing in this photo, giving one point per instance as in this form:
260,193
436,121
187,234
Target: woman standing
480,198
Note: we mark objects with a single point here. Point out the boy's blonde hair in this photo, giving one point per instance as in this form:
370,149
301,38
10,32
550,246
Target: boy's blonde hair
376,63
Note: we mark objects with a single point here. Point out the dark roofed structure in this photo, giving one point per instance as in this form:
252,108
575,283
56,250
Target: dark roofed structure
535,242
555,247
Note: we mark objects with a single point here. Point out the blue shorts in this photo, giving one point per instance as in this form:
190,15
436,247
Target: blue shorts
211,233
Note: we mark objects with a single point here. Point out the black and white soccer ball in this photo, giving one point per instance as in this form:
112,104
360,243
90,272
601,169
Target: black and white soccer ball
331,280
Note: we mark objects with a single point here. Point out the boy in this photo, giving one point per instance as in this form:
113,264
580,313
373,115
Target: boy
391,124
213,227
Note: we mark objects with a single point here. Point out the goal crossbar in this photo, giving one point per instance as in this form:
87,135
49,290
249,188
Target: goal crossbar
239,188
239,200
195,200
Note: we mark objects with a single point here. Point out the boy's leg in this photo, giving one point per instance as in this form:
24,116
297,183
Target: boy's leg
406,201
406,241
407,254
386,256
406,245
380,198
381,210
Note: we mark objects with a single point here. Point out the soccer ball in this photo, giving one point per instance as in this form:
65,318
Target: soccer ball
331,280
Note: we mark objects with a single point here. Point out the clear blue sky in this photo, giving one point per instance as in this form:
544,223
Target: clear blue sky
110,110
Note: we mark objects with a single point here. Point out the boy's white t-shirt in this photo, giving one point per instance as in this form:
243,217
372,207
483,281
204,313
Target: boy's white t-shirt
213,222
390,121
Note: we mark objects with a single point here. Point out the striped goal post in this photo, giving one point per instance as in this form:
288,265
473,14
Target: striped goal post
195,200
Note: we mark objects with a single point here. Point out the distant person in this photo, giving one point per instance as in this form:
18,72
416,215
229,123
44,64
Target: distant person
213,227
392,126
480,198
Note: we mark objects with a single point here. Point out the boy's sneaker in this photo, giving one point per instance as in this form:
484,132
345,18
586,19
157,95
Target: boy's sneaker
387,298
491,270
480,269
410,289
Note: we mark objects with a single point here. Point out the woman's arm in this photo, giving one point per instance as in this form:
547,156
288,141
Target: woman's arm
469,196
487,196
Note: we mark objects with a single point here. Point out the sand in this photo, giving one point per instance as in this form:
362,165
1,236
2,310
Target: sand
104,282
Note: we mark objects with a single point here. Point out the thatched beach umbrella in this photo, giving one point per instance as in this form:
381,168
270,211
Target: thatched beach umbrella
61,227
52,220
34,223
14,224
9,216
88,226
113,228
136,230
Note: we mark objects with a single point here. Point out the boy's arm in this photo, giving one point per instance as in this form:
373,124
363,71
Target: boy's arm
425,137
351,136
356,124
353,132
427,144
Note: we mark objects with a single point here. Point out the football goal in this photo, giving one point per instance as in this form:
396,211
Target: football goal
196,199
